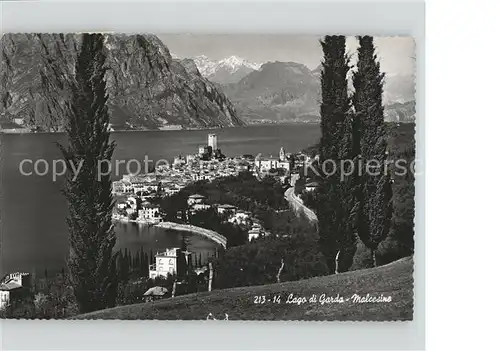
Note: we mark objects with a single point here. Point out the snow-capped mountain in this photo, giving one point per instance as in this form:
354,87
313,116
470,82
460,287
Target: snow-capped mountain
228,70
205,65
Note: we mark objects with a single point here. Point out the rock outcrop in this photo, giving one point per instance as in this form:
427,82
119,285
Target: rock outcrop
147,88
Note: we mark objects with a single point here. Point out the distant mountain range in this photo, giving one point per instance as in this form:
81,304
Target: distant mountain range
225,71
400,111
278,91
291,92
147,88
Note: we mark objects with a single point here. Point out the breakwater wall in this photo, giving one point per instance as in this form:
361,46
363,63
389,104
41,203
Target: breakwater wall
214,236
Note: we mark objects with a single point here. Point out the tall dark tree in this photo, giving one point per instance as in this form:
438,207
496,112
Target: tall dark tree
145,264
137,262
374,190
129,260
335,196
142,261
91,262
123,267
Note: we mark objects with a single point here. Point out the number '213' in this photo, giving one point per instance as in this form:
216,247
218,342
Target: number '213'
259,299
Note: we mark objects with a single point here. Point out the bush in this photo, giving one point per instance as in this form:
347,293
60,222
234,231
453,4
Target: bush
54,300
362,258
258,262
131,292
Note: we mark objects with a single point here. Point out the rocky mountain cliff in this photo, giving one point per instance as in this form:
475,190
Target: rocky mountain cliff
147,88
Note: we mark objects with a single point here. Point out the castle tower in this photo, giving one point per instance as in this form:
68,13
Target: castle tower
212,141
282,154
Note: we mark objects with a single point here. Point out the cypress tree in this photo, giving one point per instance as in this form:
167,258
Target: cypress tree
335,196
142,261
126,266
119,265
129,260
137,262
374,190
122,265
91,262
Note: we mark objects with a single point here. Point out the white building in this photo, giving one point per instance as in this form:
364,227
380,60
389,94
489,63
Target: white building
144,187
4,297
242,166
200,207
312,186
267,164
255,232
264,165
195,199
222,209
167,262
282,154
132,203
11,285
149,212
284,164
163,167
178,161
19,121
122,187
212,141
241,217
121,205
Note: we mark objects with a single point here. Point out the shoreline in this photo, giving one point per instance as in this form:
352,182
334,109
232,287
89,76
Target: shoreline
207,233
210,234
10,131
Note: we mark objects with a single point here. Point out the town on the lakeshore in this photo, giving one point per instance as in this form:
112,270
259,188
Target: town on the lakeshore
137,201
135,194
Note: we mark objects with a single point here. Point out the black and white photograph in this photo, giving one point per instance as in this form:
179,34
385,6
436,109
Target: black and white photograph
262,177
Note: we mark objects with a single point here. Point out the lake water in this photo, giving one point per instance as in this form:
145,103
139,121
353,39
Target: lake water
33,232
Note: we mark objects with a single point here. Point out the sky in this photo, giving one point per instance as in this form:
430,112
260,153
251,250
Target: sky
397,54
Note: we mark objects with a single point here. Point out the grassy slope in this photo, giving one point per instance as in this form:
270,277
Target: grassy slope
394,279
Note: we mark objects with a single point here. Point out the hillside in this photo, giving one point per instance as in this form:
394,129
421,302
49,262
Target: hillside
147,88
394,279
401,112
290,92
279,91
